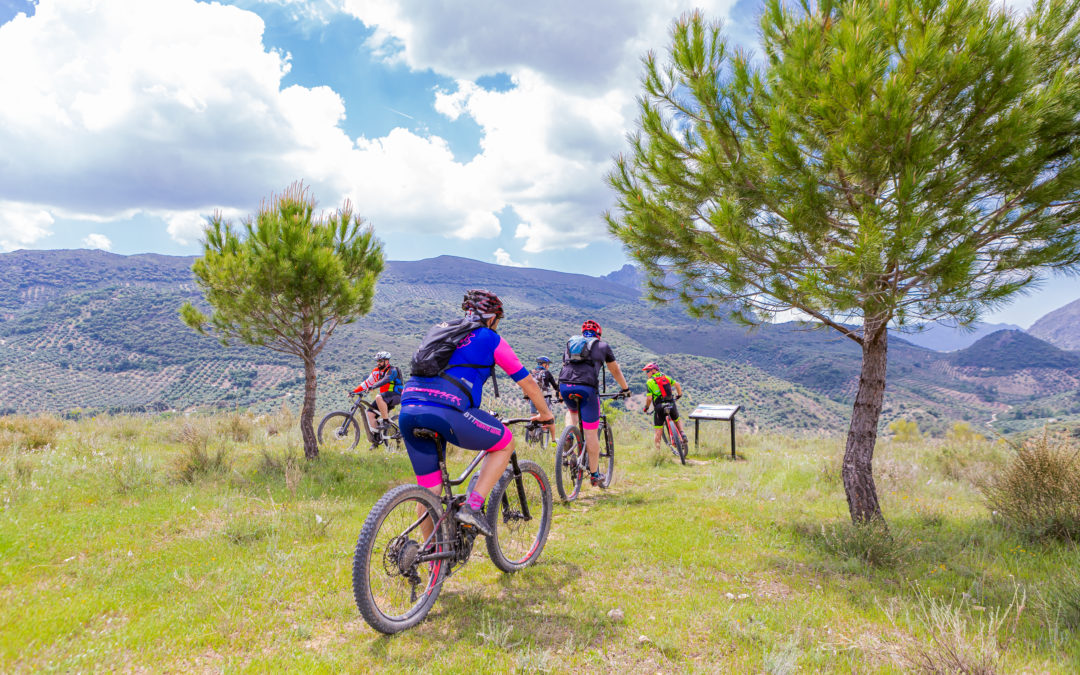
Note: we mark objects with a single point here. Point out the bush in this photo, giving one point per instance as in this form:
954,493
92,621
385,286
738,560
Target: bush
869,543
905,431
20,432
195,460
1038,492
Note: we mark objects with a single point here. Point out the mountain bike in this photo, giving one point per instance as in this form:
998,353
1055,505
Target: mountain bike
340,430
411,542
539,435
670,433
571,458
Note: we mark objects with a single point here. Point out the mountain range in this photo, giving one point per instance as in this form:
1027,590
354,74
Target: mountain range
86,331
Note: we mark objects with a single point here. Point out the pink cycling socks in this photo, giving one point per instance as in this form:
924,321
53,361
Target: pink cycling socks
475,500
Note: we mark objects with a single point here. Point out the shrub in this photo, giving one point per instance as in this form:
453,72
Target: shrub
195,459
868,543
1059,602
21,432
1038,492
905,431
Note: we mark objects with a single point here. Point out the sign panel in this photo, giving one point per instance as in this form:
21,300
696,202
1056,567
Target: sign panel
715,412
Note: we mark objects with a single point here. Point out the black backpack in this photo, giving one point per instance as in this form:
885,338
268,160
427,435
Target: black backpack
440,343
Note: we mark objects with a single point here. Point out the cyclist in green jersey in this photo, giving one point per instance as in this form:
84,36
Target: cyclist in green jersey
662,390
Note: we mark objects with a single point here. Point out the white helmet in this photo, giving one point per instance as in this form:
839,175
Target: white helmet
380,356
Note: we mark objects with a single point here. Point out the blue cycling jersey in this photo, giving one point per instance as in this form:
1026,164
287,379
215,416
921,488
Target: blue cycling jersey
483,347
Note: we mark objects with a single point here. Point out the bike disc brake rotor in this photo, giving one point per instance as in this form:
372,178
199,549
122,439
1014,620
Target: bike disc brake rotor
400,556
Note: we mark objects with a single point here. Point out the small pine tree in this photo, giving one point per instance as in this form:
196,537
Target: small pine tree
285,281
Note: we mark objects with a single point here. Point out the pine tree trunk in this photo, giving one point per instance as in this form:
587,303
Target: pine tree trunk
307,412
858,472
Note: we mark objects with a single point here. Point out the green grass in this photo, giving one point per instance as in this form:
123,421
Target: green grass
115,560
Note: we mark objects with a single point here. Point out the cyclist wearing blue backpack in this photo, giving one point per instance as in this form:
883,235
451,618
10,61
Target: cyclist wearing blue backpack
445,393
585,355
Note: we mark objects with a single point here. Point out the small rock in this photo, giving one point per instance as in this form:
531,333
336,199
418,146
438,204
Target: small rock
615,615
729,596
642,639
743,596
818,587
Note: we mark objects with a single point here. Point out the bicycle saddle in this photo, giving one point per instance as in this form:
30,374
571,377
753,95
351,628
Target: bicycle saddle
431,434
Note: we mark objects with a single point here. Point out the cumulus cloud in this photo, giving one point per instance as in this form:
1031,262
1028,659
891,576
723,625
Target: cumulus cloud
97,241
176,108
22,225
502,257
548,141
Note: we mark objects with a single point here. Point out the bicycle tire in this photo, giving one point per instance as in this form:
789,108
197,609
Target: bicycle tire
568,472
339,438
607,454
677,441
515,544
372,562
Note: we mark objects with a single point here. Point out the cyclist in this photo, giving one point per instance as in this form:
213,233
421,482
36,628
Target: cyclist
387,379
582,360
450,404
545,380
663,390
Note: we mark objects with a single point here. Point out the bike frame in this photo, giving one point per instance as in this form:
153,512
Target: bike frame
361,402
449,499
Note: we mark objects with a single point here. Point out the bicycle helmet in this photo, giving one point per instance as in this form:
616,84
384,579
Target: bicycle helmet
484,303
650,367
542,360
593,326
382,356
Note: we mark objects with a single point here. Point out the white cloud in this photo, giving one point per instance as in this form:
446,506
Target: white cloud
502,257
548,142
22,224
97,241
176,108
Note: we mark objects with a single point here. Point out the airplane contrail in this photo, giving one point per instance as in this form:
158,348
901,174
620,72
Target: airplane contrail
399,112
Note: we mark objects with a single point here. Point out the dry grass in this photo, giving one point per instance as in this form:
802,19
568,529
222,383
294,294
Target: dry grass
1038,492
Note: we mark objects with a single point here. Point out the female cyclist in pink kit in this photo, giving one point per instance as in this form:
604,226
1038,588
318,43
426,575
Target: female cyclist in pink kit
450,405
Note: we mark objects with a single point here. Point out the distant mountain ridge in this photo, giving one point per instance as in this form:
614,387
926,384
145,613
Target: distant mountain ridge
1060,327
89,330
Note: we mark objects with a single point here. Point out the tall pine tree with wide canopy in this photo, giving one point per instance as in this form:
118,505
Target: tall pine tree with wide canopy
883,164
284,280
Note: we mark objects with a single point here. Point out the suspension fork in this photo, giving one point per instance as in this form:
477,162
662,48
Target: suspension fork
520,488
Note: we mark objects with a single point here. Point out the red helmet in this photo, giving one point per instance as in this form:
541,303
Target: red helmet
482,302
649,367
593,326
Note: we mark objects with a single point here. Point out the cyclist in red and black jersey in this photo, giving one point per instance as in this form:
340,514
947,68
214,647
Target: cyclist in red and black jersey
580,374
387,380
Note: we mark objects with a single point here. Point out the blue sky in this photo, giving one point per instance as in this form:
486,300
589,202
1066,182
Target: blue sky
472,128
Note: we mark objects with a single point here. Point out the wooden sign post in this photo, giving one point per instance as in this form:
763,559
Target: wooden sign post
724,413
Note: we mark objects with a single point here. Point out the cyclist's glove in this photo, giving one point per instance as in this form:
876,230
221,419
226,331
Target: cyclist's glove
625,393
678,396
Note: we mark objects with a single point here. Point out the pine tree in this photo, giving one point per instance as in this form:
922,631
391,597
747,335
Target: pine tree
883,164
285,280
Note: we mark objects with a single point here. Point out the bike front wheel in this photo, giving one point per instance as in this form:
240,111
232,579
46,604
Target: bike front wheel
393,587
519,538
338,431
568,470
607,453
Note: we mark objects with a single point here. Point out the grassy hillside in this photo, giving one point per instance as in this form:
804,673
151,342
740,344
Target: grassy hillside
117,556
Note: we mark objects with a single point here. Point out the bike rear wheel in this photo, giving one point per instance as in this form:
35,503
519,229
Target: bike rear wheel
339,431
518,541
392,590
607,453
568,471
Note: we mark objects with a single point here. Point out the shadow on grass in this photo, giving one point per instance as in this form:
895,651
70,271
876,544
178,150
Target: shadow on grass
527,610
